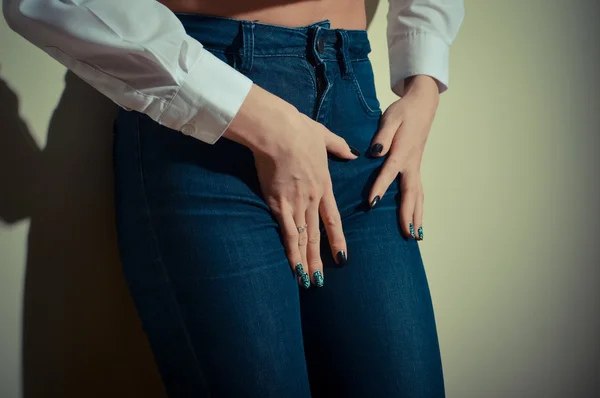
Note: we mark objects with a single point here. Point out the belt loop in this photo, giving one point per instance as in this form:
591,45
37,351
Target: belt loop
247,50
346,61
316,32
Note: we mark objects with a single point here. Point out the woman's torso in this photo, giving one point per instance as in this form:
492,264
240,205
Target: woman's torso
346,14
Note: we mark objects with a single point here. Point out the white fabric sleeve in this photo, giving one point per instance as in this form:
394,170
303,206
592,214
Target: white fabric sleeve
419,36
137,53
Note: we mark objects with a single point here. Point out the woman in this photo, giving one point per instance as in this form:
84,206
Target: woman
250,139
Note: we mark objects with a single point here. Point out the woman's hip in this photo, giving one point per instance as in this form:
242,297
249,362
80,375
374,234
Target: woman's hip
324,73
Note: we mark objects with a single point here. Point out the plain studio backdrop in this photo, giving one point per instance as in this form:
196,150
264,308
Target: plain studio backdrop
511,215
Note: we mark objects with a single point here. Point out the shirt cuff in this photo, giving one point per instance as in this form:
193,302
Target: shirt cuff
419,53
208,100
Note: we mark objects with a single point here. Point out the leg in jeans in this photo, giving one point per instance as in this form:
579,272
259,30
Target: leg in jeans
205,266
201,252
370,331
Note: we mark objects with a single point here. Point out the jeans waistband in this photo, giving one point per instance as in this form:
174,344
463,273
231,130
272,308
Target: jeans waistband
256,39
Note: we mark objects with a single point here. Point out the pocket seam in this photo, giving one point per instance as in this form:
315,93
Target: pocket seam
359,93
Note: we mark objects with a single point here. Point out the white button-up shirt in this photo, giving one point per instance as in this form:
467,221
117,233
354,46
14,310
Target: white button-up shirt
137,53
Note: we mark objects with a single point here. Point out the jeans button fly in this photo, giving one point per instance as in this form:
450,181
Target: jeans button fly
320,44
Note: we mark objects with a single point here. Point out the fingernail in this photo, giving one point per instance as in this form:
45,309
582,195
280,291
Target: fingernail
375,201
376,149
354,150
420,233
304,278
412,229
342,259
318,276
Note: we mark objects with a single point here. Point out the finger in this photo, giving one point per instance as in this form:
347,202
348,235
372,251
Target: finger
408,199
302,269
418,216
387,175
290,238
338,146
333,227
315,265
382,142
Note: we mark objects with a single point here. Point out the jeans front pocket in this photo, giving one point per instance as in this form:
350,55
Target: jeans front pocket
364,85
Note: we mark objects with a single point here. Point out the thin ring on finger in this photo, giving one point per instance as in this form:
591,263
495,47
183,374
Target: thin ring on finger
302,228
286,220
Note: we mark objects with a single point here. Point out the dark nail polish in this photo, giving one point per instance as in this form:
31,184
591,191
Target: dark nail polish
420,233
299,269
342,259
412,229
318,276
376,149
354,150
375,201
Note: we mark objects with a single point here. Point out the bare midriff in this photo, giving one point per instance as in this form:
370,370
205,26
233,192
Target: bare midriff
343,14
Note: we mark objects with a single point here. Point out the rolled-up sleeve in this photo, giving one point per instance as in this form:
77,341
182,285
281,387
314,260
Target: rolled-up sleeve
419,35
137,53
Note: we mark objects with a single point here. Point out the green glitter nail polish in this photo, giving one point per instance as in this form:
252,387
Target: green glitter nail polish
420,232
412,229
318,276
305,280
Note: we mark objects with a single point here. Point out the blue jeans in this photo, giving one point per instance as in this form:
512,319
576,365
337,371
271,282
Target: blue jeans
204,260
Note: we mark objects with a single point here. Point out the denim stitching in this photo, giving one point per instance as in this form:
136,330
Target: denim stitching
362,99
325,92
158,253
313,76
292,55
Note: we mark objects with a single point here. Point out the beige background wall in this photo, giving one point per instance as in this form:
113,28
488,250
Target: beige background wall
510,176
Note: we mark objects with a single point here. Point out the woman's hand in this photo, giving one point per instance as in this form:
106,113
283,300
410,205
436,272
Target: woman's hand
290,152
403,132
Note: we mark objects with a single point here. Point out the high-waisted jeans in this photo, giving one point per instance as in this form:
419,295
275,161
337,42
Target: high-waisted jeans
204,260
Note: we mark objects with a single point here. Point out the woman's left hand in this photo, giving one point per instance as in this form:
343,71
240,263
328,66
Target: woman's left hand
403,131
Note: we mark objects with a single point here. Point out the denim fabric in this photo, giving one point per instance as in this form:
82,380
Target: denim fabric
204,259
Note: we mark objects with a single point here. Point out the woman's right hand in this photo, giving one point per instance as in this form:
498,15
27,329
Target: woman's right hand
290,152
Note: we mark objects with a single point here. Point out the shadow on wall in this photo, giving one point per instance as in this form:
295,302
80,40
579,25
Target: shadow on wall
81,335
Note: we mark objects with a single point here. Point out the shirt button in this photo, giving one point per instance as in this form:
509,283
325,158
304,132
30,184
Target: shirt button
188,129
320,44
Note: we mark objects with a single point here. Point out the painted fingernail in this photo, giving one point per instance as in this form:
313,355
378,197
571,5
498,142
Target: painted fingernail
412,229
342,259
420,230
376,149
304,278
318,276
374,201
354,150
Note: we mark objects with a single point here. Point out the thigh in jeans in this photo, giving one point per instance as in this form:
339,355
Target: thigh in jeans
205,265
370,331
